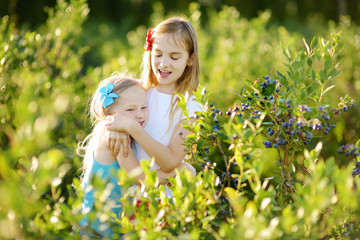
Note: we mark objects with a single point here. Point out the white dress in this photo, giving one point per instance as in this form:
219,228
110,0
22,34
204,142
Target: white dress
158,124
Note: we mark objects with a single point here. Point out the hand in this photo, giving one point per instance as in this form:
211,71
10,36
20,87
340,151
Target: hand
120,122
118,140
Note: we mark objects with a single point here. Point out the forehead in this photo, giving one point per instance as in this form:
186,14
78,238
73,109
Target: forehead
169,42
131,93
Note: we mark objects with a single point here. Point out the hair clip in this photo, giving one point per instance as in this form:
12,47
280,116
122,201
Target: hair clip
148,43
107,95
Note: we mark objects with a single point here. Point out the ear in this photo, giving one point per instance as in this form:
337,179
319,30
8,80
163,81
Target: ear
190,60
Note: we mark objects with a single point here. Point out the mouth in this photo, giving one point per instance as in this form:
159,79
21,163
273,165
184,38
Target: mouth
142,123
164,73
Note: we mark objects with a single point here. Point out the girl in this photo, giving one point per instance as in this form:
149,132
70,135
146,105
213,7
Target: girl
170,64
115,95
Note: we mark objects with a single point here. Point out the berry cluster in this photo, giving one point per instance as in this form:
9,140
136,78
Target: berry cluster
292,125
352,151
356,171
349,150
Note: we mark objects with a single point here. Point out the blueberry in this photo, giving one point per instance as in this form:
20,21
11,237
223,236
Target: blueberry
206,150
211,104
275,145
274,81
215,128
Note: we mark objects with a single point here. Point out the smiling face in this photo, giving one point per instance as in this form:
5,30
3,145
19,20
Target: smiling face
132,103
168,61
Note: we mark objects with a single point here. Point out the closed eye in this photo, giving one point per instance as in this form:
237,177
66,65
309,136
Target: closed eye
130,110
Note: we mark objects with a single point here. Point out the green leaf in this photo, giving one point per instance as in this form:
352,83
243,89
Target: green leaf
280,75
357,144
309,62
329,88
313,43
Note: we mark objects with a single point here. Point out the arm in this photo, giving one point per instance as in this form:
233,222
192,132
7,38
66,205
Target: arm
104,155
167,157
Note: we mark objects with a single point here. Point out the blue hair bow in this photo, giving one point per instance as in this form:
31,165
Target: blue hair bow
107,95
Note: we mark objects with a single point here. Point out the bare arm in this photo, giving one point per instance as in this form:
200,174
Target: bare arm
167,157
104,155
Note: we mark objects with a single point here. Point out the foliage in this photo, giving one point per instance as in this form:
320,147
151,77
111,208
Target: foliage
244,189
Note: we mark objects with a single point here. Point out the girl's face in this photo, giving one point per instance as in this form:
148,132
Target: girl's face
168,61
132,103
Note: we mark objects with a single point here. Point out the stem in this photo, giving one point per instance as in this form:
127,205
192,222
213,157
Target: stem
286,157
291,187
282,171
222,152
291,159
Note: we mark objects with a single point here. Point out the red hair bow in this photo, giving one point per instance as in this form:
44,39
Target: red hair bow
148,44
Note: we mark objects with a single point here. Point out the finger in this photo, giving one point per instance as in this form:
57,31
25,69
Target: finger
126,147
112,145
117,148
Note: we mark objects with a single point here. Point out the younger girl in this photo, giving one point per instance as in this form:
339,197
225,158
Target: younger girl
170,64
115,95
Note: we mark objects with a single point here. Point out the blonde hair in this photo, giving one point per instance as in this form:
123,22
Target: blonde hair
98,114
183,32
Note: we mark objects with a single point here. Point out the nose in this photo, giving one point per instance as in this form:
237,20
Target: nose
164,62
139,114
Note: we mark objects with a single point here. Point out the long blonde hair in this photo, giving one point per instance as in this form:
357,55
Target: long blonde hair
184,32
98,114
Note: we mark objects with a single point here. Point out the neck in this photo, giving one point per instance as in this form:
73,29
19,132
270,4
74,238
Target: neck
165,89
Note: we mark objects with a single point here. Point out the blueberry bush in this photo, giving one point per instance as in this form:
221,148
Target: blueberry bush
276,147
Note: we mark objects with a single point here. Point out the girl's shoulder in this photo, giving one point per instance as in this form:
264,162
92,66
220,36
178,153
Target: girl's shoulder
102,153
